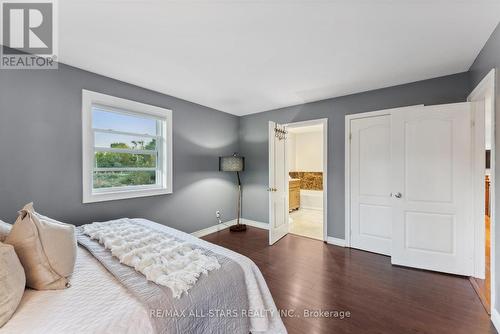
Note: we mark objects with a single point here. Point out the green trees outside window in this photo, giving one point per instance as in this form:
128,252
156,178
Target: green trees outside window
118,160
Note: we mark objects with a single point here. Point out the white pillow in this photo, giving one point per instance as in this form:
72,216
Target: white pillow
13,281
4,230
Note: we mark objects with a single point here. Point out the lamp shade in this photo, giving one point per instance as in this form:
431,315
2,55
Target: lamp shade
232,163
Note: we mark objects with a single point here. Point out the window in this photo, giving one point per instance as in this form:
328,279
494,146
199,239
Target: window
127,148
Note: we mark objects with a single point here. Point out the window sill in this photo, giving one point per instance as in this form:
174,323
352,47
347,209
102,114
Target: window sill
124,194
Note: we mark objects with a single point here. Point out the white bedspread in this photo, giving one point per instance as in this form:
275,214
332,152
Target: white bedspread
95,303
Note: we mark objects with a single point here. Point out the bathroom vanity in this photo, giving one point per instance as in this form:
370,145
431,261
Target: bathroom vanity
294,194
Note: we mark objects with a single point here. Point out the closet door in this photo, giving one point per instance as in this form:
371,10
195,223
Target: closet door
370,201
432,188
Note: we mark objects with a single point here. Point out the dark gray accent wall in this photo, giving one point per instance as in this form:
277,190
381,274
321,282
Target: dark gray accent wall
489,58
41,154
254,137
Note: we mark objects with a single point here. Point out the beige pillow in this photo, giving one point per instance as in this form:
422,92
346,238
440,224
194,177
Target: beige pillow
4,230
46,249
12,280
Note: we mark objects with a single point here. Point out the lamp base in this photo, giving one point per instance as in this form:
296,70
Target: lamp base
238,228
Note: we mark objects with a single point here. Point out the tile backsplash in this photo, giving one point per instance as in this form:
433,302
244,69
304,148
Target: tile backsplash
309,180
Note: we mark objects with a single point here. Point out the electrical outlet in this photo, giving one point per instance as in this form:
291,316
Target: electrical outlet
218,215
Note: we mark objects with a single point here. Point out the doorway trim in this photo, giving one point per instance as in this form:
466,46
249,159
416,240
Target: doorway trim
486,86
324,122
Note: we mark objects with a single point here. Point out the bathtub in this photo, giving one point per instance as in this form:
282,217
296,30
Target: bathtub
311,199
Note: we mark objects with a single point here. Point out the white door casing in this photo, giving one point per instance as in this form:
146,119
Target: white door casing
278,185
370,184
484,118
432,176
479,168
324,123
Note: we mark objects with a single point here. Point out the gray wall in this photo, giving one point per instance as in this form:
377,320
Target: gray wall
489,58
41,154
42,163
254,141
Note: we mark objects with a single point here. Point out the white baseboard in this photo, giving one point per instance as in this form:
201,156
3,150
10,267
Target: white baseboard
495,319
336,241
213,229
254,223
261,225
222,226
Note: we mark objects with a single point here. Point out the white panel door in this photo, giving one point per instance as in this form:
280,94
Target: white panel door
370,202
432,177
278,185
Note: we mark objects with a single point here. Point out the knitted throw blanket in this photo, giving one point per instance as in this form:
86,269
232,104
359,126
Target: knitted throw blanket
157,255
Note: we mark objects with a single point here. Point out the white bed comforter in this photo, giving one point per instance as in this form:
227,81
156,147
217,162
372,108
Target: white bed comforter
95,303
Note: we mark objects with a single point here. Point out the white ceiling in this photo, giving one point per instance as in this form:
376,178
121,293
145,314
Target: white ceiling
243,56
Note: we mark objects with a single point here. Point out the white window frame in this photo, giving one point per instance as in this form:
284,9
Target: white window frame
164,162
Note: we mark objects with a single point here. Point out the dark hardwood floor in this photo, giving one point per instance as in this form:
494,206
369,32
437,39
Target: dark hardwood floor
305,274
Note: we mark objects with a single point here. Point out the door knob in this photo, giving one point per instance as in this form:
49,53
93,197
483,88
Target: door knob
398,195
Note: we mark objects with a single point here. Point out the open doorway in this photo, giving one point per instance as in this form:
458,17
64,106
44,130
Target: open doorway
305,154
483,99
298,171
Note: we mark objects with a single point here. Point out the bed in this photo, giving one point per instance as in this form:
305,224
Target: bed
99,301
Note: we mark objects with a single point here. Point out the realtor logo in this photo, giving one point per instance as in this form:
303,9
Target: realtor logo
28,35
